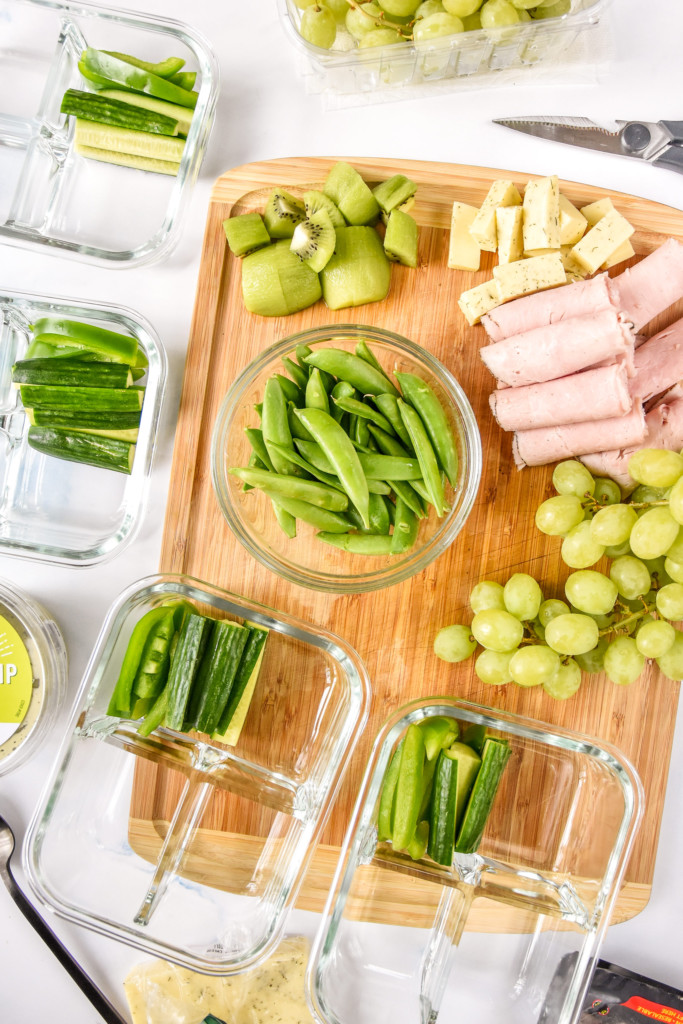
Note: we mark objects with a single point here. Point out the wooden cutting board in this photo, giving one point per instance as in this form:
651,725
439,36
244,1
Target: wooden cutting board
393,630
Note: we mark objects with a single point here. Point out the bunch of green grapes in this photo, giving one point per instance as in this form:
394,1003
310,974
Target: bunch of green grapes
384,22
612,622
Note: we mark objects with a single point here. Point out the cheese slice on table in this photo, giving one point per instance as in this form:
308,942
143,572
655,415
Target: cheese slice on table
573,222
479,300
463,249
532,275
509,230
595,212
542,214
602,241
501,193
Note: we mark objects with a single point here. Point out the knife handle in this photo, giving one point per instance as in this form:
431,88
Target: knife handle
671,158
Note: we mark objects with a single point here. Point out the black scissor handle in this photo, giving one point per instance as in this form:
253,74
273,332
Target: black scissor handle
676,129
672,157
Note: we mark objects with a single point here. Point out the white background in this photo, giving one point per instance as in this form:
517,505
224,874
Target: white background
264,112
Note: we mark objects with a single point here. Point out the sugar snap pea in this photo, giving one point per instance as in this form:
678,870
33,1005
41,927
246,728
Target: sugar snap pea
364,411
285,519
298,375
290,390
360,432
350,367
431,412
321,518
408,788
316,396
359,543
406,526
363,351
325,478
431,474
342,389
294,487
275,426
296,427
255,438
389,467
388,406
342,455
380,523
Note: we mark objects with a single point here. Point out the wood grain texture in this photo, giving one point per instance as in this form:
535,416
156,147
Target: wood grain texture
393,630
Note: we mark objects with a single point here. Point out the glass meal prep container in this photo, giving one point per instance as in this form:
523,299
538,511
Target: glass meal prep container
346,69
481,940
58,511
184,848
51,198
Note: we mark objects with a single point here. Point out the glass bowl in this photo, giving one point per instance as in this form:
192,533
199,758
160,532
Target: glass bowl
52,199
179,846
303,559
480,940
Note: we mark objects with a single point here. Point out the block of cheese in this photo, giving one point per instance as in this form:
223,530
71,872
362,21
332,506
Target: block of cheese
542,214
595,212
501,193
532,275
572,266
573,222
479,300
602,240
463,249
509,230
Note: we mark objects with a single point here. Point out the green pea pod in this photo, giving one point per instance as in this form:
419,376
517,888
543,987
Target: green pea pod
386,800
406,492
431,474
254,463
363,351
298,375
313,453
255,438
286,521
364,411
342,455
389,467
347,366
360,432
379,516
290,390
406,527
388,406
259,409
321,518
296,427
294,487
325,478
316,396
419,394
358,543
342,389
301,352
120,704
408,796
275,425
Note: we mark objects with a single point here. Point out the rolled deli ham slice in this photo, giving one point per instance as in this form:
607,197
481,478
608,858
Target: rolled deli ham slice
582,298
658,363
558,349
565,400
548,444
651,286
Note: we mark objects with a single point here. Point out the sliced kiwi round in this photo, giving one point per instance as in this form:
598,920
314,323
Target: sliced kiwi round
316,201
314,239
282,213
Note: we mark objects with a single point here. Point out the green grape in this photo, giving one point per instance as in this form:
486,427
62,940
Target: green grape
618,550
558,515
454,643
303,4
472,23
340,8
497,13
606,491
572,634
570,476
674,570
669,601
436,25
523,15
550,609
592,661
671,663
399,8
318,26
497,630
533,666
524,4
631,576
657,569
623,661
538,629
653,534
428,7
579,549
676,501
565,682
380,37
486,594
591,592
462,8
644,493
613,524
361,20
676,550
655,638
655,467
556,10
522,596
493,667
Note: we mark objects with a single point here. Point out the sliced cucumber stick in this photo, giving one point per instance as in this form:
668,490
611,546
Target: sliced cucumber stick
103,452
494,757
124,140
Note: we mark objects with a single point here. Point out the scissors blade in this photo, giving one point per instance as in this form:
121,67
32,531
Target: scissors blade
573,131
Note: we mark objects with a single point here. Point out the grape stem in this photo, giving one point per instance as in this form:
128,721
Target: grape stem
382,20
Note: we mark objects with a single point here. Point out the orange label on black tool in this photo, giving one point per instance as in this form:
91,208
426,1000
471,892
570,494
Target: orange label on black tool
654,1011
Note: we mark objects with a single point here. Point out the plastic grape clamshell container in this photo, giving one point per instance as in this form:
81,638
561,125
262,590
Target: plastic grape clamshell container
52,199
58,511
542,884
79,856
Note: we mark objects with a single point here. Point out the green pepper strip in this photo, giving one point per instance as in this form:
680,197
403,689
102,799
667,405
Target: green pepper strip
120,703
389,467
406,527
153,667
419,394
275,425
417,847
351,368
164,69
388,406
316,396
438,732
184,79
386,800
72,333
342,455
431,474
358,543
321,518
120,72
352,405
408,788
294,487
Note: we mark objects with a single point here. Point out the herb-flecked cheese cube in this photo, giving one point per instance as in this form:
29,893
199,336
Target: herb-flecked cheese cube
509,231
501,193
600,243
463,250
573,222
595,212
479,300
572,266
542,214
532,275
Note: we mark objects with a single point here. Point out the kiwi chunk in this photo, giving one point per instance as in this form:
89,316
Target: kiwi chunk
246,233
358,271
313,240
394,192
346,188
282,214
316,201
275,282
400,238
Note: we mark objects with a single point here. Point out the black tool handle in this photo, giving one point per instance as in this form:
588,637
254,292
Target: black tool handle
676,129
671,158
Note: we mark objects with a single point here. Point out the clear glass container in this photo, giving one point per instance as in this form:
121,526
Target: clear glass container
303,559
188,849
58,511
547,873
51,198
345,69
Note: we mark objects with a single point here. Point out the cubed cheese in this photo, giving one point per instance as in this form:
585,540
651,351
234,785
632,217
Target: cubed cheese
539,252
600,243
542,214
573,222
509,231
572,266
593,213
463,250
479,300
501,193
532,275
624,252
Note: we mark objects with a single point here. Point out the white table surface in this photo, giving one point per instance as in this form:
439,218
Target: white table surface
264,112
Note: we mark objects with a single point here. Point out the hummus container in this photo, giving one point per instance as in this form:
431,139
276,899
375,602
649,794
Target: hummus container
32,674
184,848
